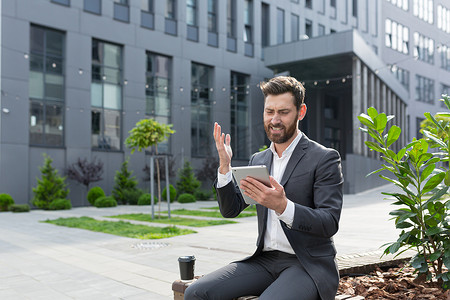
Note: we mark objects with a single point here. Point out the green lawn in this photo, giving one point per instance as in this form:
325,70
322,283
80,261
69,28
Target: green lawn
173,220
249,208
211,214
121,228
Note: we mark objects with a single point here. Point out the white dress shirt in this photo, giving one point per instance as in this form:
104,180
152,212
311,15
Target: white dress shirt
274,238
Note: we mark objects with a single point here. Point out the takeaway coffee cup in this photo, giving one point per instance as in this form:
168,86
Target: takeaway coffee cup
186,267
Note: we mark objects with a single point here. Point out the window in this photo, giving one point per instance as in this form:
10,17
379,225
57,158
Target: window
308,4
280,26
445,90
46,87
191,12
355,8
397,36
443,18
212,23
248,27
444,52
93,6
201,99
147,14
212,15
308,29
403,4
333,3
265,25
418,122
424,89
402,76
106,96
321,30
239,100
423,48
62,2
423,9
157,91
122,10
294,27
231,25
333,9
170,23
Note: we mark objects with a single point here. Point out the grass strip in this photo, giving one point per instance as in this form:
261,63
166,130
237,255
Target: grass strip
211,214
121,228
249,208
173,220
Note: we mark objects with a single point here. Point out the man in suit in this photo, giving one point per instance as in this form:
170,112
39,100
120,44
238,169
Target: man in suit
297,216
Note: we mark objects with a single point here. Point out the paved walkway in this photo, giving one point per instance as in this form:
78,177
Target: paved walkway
44,261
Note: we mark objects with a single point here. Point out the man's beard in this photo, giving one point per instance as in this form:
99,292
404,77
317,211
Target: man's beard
283,137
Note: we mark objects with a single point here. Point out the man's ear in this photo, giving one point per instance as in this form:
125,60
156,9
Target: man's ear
302,112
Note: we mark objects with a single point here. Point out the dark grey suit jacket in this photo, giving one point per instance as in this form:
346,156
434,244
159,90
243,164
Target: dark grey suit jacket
313,181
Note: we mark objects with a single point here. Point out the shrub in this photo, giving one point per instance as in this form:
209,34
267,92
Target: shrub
146,199
187,182
132,196
5,201
123,181
50,187
60,204
186,198
173,194
202,195
106,201
95,193
19,208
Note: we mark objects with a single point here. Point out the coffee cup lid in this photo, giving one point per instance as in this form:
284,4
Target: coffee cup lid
186,258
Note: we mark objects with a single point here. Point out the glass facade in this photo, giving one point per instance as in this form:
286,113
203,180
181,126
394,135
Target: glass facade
280,26
443,18
403,4
191,12
248,21
396,36
106,96
444,53
201,100
424,89
157,91
423,9
46,87
212,15
295,23
239,110
423,48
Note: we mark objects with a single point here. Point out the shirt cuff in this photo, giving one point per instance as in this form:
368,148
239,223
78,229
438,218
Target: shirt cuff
288,215
223,179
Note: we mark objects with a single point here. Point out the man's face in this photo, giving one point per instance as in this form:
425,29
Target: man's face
280,118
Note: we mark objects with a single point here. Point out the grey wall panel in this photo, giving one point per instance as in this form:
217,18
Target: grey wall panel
14,168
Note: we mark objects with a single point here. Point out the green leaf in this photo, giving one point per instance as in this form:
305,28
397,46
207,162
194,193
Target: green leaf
403,225
372,112
393,135
434,138
447,178
437,195
427,171
374,146
394,247
380,122
434,256
366,120
432,119
433,182
443,114
400,154
434,230
376,171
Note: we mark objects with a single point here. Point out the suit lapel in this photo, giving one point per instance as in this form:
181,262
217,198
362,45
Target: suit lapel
296,156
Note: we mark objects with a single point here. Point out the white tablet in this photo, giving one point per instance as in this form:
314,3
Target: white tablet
258,172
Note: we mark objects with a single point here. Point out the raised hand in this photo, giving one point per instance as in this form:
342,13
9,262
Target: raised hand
223,149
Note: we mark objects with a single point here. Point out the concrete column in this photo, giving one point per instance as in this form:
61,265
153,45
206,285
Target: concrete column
356,106
364,104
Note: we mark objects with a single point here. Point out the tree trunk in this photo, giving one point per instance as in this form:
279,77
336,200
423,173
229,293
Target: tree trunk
159,183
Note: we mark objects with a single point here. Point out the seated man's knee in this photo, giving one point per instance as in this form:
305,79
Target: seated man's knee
193,292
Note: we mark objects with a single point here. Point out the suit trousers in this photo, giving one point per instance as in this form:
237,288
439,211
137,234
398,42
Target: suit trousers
269,275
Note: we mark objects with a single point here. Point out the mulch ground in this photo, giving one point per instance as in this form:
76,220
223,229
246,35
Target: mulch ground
395,283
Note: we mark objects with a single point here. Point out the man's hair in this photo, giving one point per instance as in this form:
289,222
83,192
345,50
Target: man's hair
284,84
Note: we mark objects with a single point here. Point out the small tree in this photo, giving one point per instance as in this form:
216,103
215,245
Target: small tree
85,172
146,134
423,214
187,182
209,169
123,181
51,186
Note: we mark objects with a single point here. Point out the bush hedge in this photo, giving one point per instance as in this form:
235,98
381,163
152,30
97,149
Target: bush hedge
146,199
131,196
95,193
186,198
60,204
202,195
5,201
106,201
173,194
19,208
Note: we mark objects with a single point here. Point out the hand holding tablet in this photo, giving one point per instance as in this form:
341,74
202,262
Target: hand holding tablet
260,173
